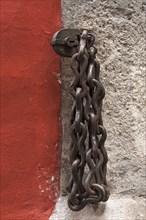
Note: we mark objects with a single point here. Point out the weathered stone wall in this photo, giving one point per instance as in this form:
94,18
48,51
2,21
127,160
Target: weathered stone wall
118,27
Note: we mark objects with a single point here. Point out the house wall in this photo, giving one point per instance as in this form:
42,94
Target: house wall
118,27
30,109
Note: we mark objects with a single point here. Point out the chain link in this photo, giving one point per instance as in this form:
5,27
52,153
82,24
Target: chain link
88,156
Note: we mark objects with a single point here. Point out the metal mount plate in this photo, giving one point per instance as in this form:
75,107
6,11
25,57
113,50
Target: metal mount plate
66,41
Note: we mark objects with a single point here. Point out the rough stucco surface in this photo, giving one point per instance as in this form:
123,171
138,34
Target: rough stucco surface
118,27
117,208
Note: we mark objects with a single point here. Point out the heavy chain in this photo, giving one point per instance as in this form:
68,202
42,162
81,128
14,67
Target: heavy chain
88,156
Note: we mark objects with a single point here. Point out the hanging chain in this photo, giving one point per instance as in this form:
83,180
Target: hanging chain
88,155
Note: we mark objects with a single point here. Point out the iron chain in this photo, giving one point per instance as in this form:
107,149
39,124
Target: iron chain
88,155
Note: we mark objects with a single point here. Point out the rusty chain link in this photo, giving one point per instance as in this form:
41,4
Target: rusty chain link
88,155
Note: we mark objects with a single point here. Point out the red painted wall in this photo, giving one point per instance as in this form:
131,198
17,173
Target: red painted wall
30,107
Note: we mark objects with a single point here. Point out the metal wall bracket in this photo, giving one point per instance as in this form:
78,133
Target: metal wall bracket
66,41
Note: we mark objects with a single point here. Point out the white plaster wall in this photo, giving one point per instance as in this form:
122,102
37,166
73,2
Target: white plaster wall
119,29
